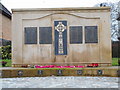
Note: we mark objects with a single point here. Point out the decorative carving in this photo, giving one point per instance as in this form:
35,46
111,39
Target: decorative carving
60,28
20,73
71,14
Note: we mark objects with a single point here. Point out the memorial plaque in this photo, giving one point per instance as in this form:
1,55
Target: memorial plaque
45,35
60,36
30,35
75,34
99,72
20,73
59,72
91,34
79,72
40,72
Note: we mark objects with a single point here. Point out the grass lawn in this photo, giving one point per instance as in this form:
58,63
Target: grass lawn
114,62
8,62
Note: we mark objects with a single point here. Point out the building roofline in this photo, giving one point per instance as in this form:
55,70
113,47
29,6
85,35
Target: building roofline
5,11
60,9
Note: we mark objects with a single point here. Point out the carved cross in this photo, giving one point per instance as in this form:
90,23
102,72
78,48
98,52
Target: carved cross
60,28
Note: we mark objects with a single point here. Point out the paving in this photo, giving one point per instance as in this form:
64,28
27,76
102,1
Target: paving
61,82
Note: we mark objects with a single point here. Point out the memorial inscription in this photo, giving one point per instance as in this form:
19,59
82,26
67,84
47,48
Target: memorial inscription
75,34
30,35
91,34
45,35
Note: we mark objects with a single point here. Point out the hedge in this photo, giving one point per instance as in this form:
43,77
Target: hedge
5,52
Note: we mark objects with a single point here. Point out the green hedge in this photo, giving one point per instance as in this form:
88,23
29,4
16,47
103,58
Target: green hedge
5,52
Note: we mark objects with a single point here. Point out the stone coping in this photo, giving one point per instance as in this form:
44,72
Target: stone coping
60,9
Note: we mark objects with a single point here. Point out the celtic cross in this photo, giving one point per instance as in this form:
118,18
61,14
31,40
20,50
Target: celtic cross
60,28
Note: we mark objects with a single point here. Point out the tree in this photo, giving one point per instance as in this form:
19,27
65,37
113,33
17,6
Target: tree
114,15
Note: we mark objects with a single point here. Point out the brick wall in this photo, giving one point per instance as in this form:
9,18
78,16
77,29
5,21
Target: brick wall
5,30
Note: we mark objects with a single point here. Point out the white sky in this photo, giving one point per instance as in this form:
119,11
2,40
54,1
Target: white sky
50,3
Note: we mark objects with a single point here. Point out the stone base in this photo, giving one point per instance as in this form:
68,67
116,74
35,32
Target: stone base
42,72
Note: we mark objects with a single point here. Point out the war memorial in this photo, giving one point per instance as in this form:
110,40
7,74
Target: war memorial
57,42
61,36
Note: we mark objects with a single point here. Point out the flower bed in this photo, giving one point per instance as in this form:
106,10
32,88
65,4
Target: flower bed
54,66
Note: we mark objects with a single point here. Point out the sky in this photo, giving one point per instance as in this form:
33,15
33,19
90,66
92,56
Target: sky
10,4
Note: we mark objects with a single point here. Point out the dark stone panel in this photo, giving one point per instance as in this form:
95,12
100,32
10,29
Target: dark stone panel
40,72
99,72
20,73
75,34
91,34
79,72
30,35
45,35
56,33
59,72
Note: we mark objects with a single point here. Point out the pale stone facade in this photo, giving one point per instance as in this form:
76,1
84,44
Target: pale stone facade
61,22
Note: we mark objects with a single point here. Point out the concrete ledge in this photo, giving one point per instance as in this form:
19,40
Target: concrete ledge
42,72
